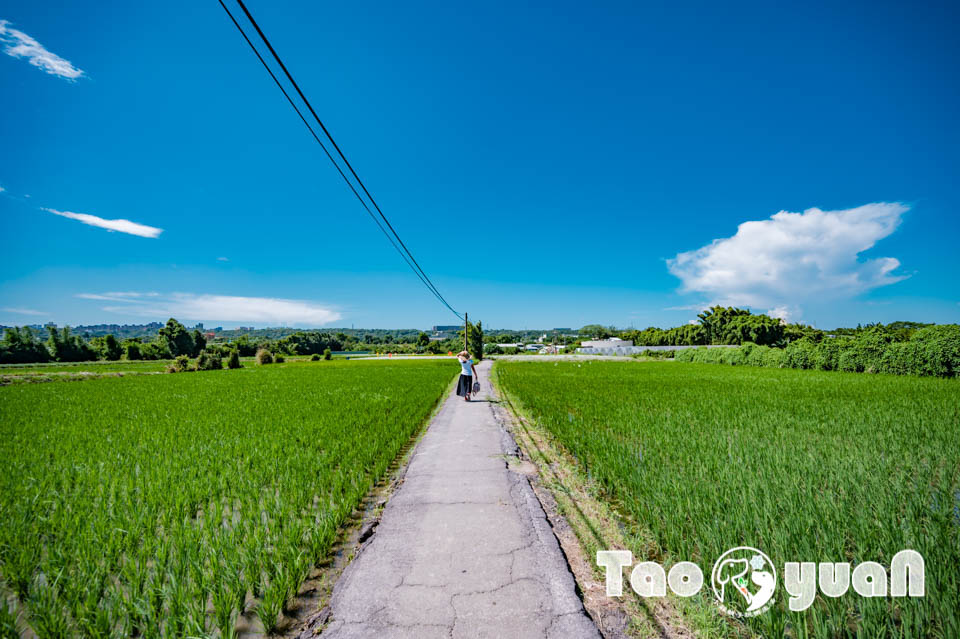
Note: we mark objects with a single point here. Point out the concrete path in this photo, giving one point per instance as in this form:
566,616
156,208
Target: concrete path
463,548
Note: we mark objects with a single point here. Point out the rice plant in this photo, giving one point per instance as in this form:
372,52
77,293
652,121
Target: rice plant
156,505
805,465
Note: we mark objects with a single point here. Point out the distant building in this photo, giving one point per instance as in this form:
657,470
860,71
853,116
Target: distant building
612,342
441,333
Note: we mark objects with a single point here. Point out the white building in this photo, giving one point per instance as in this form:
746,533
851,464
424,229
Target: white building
612,342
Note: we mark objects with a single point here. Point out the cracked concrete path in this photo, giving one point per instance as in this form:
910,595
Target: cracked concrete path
463,548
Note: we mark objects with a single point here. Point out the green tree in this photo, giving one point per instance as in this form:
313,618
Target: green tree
20,346
199,342
715,320
245,346
107,347
65,347
759,329
156,349
475,340
423,340
176,338
132,348
596,331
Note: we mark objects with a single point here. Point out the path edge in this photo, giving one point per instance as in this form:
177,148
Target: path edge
624,618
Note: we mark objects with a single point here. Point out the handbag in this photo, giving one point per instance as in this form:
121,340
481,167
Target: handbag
476,387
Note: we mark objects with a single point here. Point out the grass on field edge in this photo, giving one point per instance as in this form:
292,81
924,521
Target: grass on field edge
598,526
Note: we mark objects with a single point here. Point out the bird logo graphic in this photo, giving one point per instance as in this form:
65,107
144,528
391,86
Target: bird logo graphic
744,580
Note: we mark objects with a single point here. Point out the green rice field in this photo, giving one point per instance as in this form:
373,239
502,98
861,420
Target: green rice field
163,505
804,465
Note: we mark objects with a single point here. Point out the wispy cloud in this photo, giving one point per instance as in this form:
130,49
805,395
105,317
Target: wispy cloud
19,45
128,296
688,307
21,311
792,258
227,308
223,259
120,226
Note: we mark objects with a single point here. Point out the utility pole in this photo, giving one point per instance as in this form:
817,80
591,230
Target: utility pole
466,326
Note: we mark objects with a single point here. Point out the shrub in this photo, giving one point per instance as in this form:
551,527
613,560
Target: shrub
327,354
902,358
849,361
757,353
938,349
931,350
657,354
774,358
315,357
155,350
234,359
208,362
278,358
826,355
179,365
264,357
735,356
800,354
133,351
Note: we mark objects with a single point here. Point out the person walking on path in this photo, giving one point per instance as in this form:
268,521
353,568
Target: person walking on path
465,385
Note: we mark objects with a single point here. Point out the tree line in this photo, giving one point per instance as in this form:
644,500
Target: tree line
22,345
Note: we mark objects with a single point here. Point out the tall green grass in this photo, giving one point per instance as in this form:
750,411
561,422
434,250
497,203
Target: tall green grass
807,466
166,504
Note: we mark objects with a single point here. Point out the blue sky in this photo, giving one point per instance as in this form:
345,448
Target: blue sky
550,164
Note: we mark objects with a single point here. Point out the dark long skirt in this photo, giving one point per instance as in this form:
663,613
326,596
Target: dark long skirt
465,385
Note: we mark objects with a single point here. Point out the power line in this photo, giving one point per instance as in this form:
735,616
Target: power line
404,251
315,137
296,86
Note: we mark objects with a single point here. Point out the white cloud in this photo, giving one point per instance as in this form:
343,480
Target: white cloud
2,189
223,259
20,45
688,307
121,225
22,311
207,307
784,312
116,297
793,258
